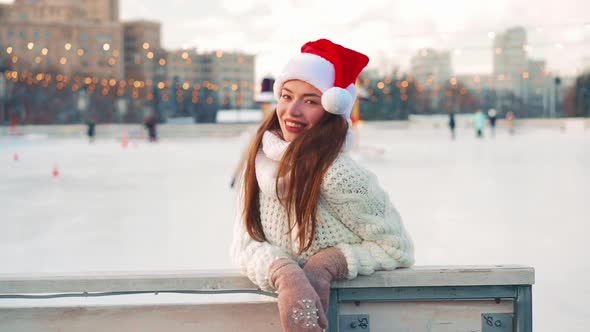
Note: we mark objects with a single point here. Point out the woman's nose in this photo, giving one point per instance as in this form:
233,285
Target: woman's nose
294,108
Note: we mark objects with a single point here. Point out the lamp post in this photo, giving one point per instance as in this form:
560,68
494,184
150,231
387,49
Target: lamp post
557,81
3,94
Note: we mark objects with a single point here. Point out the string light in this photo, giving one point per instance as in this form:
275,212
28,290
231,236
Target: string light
146,45
235,86
9,50
30,45
106,47
44,51
68,46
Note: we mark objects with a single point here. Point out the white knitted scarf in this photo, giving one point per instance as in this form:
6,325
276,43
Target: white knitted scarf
267,162
269,157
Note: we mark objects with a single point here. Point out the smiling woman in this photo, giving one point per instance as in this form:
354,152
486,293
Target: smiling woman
308,214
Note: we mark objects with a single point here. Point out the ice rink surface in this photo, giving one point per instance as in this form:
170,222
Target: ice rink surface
521,199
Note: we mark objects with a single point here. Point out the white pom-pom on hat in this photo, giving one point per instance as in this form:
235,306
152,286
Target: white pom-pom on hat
337,101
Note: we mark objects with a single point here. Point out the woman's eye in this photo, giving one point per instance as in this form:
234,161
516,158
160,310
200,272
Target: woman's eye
287,97
312,102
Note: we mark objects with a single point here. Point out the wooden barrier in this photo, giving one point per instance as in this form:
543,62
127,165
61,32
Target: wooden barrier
445,298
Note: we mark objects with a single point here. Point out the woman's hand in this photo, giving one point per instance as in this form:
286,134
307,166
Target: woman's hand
299,304
322,269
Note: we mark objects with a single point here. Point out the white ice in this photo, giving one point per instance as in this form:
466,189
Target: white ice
522,199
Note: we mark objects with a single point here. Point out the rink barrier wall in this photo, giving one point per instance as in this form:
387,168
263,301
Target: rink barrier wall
423,298
235,129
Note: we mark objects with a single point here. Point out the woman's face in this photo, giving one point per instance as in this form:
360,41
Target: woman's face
299,108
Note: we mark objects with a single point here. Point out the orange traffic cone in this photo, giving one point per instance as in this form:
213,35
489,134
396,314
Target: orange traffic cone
55,171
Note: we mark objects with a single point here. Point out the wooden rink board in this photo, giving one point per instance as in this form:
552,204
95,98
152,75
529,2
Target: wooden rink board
435,316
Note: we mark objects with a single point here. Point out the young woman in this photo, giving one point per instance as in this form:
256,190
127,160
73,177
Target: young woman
307,213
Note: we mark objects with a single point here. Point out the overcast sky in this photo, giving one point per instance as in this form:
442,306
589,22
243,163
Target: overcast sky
389,31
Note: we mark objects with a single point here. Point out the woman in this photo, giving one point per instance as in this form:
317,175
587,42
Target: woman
309,214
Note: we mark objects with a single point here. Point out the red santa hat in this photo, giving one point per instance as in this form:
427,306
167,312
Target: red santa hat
331,68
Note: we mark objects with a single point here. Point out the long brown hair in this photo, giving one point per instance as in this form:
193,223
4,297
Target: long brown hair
304,164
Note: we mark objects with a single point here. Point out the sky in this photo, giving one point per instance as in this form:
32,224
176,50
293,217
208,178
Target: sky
388,31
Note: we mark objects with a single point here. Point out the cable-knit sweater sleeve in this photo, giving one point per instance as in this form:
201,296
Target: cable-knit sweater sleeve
252,257
356,199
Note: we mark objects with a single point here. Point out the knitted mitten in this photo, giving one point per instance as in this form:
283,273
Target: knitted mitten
321,269
299,305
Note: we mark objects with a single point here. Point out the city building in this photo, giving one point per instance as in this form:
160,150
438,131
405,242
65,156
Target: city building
432,66
586,65
523,85
432,71
65,36
229,74
510,61
538,89
145,59
186,65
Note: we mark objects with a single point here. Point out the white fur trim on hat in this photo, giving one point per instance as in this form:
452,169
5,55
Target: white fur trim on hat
320,73
307,67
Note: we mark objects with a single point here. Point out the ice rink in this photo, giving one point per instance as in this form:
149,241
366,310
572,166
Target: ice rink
521,199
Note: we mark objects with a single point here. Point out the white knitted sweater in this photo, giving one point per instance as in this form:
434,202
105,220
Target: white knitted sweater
354,214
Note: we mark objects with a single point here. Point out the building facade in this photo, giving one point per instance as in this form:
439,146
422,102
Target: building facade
63,36
523,85
230,75
432,71
510,61
145,59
